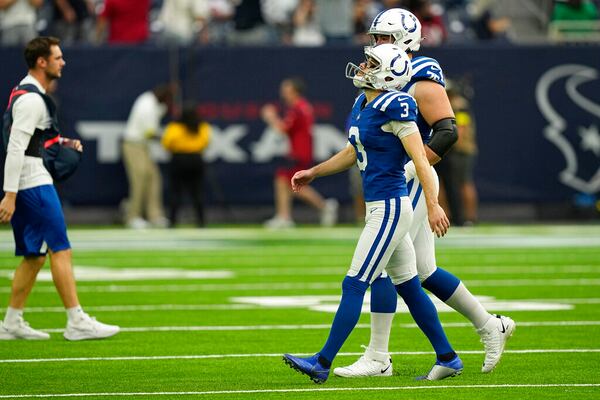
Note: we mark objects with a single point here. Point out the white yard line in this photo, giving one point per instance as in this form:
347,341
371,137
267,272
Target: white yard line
280,286
219,239
233,328
303,270
219,307
267,355
307,390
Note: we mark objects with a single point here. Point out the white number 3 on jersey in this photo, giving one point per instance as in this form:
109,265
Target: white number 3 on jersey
361,155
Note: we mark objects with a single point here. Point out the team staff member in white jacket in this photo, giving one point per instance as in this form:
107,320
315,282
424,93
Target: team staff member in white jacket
31,203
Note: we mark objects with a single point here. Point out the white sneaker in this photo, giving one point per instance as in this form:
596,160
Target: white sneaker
279,223
4,334
21,330
329,214
87,327
372,363
138,223
494,335
161,222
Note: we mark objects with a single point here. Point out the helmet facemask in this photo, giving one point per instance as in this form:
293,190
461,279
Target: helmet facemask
360,77
387,68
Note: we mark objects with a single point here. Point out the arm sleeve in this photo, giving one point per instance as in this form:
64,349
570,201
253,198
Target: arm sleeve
290,120
401,128
15,156
149,118
28,111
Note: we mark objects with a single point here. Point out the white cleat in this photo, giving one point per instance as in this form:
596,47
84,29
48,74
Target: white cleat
279,223
4,334
372,363
329,214
21,330
87,327
442,370
494,335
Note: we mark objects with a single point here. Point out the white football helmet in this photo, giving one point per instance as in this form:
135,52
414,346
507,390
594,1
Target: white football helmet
387,68
399,23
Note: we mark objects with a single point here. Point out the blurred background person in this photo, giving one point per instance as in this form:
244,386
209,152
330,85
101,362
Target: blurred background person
336,20
574,10
185,139
574,19
17,21
249,27
72,20
464,153
488,20
458,193
364,12
297,125
432,24
306,30
123,21
183,22
145,183
278,16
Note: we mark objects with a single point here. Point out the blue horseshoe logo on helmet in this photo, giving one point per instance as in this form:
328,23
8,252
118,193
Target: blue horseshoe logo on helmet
414,27
394,62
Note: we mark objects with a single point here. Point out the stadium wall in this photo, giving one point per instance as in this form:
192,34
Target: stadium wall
537,111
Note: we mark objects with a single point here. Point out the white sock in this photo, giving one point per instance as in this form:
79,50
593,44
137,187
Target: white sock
465,303
12,315
74,313
381,326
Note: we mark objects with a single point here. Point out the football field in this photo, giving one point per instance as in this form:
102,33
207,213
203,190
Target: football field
209,313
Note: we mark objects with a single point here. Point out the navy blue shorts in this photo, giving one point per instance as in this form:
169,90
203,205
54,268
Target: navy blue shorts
38,222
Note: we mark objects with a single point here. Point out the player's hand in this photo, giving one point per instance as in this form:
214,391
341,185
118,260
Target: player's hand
7,207
438,221
268,112
302,178
73,144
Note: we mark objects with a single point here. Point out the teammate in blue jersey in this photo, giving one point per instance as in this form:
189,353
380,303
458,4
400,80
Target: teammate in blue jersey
383,134
438,130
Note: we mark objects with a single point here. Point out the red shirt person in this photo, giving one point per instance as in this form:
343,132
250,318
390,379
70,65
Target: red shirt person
297,126
127,21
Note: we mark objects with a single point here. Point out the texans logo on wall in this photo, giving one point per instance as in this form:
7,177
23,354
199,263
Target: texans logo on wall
574,127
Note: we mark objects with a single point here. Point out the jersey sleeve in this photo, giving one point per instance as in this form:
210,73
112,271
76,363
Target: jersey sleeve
398,106
425,68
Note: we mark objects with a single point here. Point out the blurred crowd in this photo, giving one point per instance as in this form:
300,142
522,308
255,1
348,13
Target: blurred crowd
256,22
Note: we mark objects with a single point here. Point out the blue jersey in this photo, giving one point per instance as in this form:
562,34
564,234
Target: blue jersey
380,154
424,68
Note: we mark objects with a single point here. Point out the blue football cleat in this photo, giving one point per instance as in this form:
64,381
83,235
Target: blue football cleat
442,370
308,366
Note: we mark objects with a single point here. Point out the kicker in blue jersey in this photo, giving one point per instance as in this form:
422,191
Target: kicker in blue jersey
380,154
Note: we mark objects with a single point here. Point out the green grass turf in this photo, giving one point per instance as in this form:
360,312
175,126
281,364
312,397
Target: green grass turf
224,349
